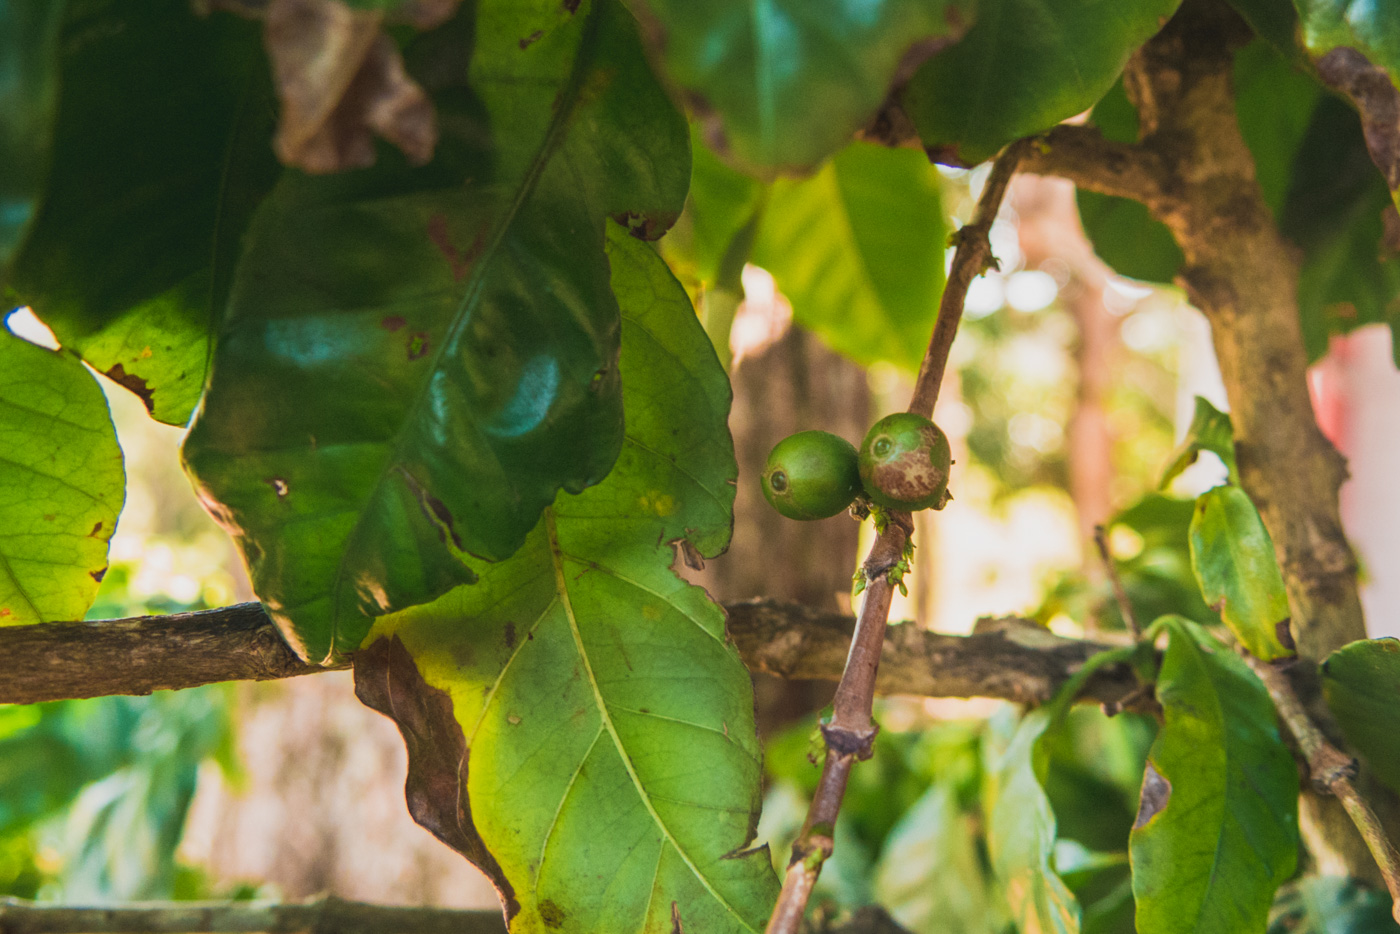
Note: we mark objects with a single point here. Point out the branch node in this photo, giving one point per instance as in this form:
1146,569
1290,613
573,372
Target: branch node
848,742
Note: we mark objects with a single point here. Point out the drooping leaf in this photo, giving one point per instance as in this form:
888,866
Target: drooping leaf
1361,682
1021,828
160,151
416,359
1233,558
1024,66
1210,430
61,484
1356,48
791,80
1331,905
609,769
929,877
28,87
859,250
1217,827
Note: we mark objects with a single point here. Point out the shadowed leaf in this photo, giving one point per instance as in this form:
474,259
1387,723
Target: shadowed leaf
417,359
1361,682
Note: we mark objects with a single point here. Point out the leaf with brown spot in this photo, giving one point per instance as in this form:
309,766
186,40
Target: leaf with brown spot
1217,828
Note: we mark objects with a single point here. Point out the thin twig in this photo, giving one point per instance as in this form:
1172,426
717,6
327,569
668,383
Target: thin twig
973,257
851,731
1119,592
1332,771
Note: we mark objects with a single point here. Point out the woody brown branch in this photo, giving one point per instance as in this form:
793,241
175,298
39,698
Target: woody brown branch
1007,658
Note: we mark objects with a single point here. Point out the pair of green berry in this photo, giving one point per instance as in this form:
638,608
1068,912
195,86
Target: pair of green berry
902,464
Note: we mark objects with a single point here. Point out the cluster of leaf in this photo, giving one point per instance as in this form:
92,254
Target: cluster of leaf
393,373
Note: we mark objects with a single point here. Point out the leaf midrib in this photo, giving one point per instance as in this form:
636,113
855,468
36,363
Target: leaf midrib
561,583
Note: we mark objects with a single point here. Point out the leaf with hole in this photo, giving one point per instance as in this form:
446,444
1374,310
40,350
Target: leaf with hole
61,484
1233,558
417,359
610,768
1217,826
1361,682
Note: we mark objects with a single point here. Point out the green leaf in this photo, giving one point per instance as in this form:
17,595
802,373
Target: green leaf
1331,905
1021,827
1275,21
61,484
1233,557
859,250
929,877
720,205
1361,681
614,771
153,175
1350,276
417,359
1023,67
791,80
28,87
1210,430
1217,828
1274,106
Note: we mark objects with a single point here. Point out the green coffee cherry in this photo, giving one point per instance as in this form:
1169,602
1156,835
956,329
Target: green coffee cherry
904,463
811,475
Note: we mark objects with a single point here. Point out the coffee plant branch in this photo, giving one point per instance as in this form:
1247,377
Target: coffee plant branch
851,730
1009,658
1332,771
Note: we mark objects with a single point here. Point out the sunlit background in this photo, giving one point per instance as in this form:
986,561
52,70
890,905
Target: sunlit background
1067,391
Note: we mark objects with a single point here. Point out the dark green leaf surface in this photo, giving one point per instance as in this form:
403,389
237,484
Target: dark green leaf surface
791,80
416,360
1275,21
61,484
28,87
1233,557
1210,430
614,767
1217,830
859,250
1021,828
1274,107
1361,682
161,148
1023,67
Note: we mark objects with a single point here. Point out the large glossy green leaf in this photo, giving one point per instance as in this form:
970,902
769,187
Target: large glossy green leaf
1210,430
611,769
929,877
61,484
1024,66
416,360
1361,682
1021,828
859,250
160,150
28,87
791,80
1233,558
1217,828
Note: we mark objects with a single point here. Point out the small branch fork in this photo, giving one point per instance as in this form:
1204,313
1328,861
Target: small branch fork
1120,593
851,731
1332,771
